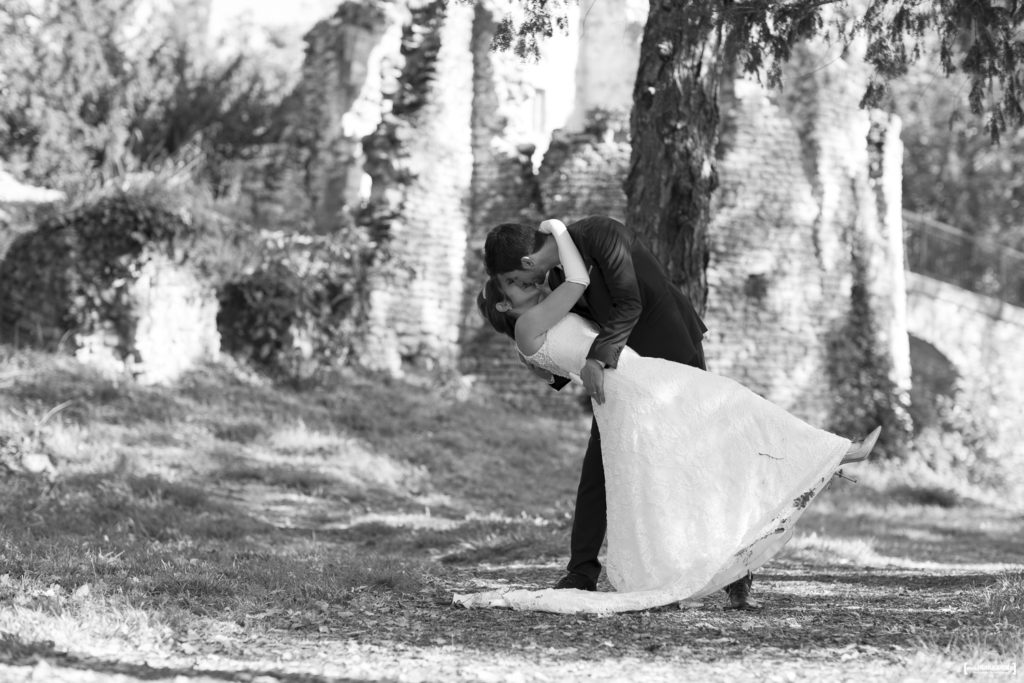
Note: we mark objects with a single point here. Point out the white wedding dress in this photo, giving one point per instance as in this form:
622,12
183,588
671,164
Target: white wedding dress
704,479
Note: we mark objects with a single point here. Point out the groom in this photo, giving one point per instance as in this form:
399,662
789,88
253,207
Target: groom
634,303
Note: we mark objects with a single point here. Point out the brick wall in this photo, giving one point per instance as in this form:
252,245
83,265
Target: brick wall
505,188
341,90
797,200
176,325
582,175
420,160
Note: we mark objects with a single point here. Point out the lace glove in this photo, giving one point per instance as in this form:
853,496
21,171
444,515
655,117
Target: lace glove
572,262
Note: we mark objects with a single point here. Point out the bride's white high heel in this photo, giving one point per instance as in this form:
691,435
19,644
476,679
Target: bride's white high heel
860,450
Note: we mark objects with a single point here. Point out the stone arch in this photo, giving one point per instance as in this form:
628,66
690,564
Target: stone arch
933,377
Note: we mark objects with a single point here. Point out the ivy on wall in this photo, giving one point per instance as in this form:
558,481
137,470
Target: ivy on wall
864,395
72,276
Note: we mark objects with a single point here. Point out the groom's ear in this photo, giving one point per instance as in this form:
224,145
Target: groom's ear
527,263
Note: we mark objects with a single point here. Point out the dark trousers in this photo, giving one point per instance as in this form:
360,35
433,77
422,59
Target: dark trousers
589,521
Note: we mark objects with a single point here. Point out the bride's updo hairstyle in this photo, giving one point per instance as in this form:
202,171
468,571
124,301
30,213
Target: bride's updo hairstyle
487,301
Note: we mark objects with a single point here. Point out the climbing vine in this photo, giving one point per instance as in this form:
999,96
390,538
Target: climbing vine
859,372
72,276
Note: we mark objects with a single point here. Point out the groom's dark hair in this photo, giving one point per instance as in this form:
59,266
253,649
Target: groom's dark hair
507,244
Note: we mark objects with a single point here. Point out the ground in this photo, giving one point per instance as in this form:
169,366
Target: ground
228,528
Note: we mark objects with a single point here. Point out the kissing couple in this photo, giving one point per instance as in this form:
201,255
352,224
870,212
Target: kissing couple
694,479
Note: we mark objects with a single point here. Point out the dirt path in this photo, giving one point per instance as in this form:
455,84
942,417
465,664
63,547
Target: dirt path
868,591
833,622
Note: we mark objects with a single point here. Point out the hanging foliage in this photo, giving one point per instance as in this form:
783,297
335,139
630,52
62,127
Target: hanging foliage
73,275
297,311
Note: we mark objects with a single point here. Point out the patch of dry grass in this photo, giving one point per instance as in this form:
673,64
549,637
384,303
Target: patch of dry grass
826,549
999,636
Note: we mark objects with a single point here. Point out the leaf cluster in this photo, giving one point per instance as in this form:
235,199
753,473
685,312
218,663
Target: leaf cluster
89,94
222,110
296,312
524,30
983,39
762,35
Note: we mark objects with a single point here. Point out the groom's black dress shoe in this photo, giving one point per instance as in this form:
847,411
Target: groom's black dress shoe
739,594
577,581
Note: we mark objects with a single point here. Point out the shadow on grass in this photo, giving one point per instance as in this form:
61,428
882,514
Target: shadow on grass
53,379
161,543
888,580
905,529
308,480
473,542
114,506
466,446
15,651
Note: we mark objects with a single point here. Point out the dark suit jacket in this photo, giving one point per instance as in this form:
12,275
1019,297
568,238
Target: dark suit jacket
631,297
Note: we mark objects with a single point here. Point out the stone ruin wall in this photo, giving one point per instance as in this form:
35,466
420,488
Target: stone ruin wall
342,89
176,327
421,167
798,190
503,189
446,133
174,321
799,194
583,175
985,352
387,88
508,188
800,185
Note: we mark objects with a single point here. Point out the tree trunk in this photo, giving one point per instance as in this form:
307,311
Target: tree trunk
674,128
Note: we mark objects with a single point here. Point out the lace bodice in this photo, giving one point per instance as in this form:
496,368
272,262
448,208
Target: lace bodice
565,348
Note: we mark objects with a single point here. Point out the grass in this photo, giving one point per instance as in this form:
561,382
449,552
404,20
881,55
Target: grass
998,638
228,522
143,511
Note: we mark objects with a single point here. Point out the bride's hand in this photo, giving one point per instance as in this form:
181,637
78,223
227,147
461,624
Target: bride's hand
540,373
568,253
552,226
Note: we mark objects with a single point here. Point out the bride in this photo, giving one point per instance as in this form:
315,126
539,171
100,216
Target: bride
705,479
